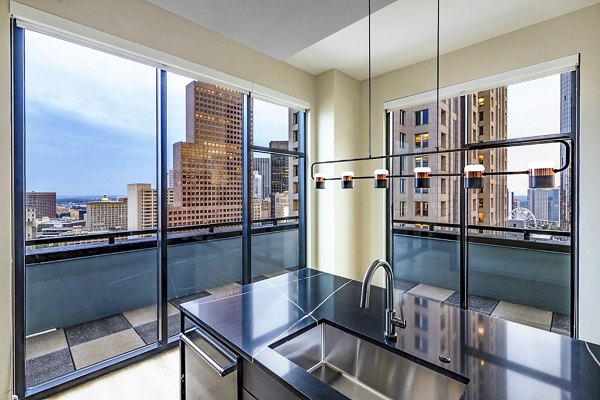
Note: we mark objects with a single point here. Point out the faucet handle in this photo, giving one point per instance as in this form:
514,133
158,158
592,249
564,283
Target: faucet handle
399,322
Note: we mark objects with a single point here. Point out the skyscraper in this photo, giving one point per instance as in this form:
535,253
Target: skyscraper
257,191
44,203
263,166
142,206
544,204
207,167
565,126
418,129
280,168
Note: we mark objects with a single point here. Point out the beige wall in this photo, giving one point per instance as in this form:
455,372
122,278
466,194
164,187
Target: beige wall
5,207
334,233
577,32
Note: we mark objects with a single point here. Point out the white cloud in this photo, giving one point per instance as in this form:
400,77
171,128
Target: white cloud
89,85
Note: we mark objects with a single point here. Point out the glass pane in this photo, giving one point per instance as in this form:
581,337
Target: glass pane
205,190
521,275
274,126
275,207
90,135
430,260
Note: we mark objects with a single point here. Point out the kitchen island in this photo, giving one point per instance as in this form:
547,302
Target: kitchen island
496,359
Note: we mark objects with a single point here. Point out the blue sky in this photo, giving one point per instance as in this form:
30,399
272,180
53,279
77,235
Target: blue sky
91,119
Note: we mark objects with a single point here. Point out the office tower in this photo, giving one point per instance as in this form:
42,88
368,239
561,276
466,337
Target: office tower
280,204
43,202
545,205
142,206
106,214
207,167
30,223
565,126
280,167
257,184
416,129
263,166
294,162
488,122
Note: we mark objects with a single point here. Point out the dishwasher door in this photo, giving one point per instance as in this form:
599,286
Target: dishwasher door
208,368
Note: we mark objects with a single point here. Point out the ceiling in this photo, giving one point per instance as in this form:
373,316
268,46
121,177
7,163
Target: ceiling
278,28
318,35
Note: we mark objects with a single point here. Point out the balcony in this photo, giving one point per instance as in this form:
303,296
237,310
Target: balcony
511,274
90,302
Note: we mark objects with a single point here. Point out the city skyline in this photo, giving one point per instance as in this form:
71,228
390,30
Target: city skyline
114,116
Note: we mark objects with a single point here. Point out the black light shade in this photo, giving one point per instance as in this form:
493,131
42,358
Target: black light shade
541,175
319,181
474,176
381,178
422,180
347,180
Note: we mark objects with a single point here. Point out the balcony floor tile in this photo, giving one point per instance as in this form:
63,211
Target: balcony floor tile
149,333
561,324
479,304
83,333
49,366
101,349
145,315
431,292
525,315
46,343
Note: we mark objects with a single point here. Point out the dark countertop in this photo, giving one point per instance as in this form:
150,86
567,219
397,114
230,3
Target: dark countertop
501,359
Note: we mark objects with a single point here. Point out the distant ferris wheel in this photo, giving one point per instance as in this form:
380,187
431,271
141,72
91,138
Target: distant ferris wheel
524,214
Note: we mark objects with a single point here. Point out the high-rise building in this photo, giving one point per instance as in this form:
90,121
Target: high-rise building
257,192
293,170
418,129
106,214
43,202
544,204
280,204
280,169
207,167
30,223
142,206
263,166
565,126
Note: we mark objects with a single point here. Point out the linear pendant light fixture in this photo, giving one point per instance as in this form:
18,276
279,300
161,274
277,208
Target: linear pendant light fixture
541,173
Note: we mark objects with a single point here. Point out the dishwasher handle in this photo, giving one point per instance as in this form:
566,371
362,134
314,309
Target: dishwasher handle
222,371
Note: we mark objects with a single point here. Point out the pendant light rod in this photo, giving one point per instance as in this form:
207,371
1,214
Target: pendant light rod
369,19
561,138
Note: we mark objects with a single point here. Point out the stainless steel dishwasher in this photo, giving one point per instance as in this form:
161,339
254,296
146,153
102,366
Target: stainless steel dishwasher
208,367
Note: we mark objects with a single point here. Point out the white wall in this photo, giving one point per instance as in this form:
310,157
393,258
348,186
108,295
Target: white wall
577,32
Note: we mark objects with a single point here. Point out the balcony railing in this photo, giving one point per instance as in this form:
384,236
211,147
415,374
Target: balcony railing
73,284
524,270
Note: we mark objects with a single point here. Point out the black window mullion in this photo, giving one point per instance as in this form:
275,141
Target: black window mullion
18,121
161,201
246,191
302,190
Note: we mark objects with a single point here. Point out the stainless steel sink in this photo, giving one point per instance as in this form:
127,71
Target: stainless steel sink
361,370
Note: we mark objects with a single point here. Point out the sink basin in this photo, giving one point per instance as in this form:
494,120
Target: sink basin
361,370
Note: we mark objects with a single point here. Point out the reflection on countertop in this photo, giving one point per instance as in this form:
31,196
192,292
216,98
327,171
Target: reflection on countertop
501,359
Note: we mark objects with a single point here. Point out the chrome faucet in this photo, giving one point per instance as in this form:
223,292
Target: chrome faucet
391,321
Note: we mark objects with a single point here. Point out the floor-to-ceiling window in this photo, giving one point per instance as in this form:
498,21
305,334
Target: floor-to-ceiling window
129,187
518,260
